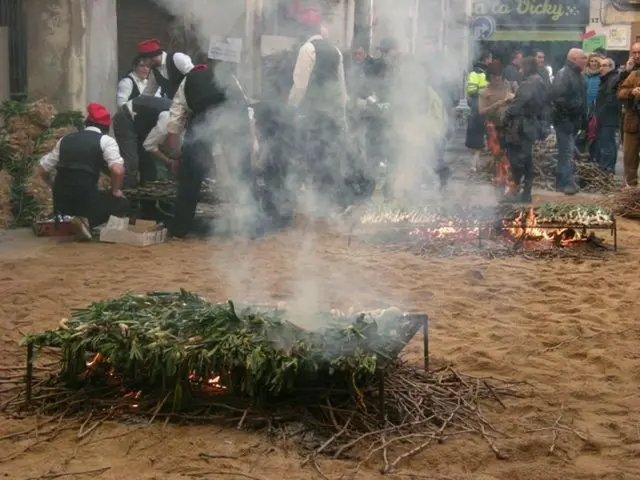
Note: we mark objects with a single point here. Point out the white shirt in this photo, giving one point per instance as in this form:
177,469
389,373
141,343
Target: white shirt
158,134
125,87
303,69
179,111
182,62
110,152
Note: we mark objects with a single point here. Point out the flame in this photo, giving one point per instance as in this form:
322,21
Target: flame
447,232
525,227
96,359
213,384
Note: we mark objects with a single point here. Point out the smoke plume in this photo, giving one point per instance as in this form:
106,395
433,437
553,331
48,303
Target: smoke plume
428,76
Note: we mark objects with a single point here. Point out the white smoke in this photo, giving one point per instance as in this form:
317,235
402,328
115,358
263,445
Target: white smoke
419,129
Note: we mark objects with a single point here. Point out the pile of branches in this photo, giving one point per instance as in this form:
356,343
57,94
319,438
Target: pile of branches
587,173
30,131
167,191
626,203
135,357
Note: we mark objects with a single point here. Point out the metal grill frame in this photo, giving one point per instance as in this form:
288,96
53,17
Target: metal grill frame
484,226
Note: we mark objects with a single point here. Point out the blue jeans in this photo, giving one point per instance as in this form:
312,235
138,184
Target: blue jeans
566,142
606,150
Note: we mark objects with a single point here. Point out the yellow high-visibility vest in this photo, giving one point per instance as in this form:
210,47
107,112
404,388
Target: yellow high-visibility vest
476,81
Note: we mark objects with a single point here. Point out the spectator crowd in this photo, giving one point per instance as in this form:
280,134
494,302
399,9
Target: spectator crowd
589,104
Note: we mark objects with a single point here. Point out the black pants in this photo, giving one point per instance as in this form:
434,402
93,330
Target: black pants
197,163
127,138
140,165
324,152
521,160
77,195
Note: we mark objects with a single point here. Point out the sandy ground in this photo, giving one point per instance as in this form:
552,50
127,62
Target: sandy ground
568,327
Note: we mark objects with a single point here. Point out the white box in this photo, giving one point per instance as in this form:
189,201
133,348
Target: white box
142,234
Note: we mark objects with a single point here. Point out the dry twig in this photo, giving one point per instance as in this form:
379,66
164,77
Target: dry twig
97,471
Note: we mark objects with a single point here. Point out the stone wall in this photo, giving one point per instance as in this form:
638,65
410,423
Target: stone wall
56,55
102,52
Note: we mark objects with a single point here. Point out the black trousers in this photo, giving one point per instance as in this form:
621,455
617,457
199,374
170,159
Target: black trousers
140,166
197,163
77,195
125,134
521,160
324,147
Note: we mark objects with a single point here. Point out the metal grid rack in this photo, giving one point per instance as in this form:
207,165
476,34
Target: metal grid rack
407,328
484,227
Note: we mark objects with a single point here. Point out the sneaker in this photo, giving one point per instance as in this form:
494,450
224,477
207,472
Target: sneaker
81,228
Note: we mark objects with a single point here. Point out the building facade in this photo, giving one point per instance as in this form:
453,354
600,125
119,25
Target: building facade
76,50
617,22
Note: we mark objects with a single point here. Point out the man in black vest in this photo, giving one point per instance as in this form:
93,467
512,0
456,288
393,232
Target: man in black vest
319,96
132,123
78,159
167,68
193,112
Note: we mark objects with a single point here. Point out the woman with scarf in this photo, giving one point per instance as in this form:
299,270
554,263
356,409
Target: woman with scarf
493,103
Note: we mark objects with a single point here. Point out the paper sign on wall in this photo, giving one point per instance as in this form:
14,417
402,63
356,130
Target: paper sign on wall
590,45
619,38
226,49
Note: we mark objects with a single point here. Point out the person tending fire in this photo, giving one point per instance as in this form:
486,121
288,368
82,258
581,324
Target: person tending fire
492,105
319,97
168,69
132,127
196,112
77,160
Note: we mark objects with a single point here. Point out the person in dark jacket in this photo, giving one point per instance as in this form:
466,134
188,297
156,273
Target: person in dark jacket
568,100
513,71
524,120
543,71
607,113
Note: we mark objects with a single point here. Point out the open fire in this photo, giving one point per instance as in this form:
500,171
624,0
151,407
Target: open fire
99,366
553,225
525,227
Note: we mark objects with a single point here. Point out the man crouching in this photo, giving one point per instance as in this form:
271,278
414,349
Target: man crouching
78,159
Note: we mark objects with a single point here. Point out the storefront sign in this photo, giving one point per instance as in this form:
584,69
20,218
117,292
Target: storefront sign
534,13
483,27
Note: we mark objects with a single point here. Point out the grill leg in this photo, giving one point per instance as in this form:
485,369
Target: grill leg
425,336
381,399
29,379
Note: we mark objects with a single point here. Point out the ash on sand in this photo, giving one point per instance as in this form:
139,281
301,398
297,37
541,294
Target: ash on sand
329,417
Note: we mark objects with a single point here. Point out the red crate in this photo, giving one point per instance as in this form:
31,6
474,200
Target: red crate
53,229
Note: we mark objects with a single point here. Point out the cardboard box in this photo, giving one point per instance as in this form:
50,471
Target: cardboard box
142,234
